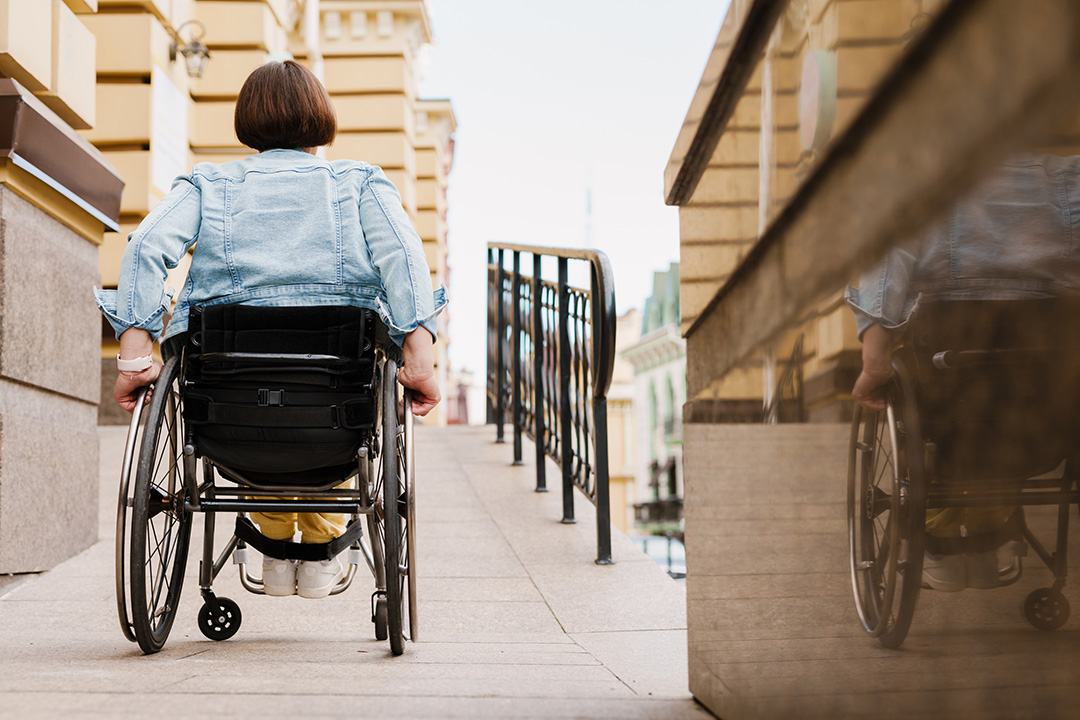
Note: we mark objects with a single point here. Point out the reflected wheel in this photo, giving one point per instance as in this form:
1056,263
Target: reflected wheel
887,513
1046,609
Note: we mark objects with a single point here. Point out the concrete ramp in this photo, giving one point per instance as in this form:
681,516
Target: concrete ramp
517,621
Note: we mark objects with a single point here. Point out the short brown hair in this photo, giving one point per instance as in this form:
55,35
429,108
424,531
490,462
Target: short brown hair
283,105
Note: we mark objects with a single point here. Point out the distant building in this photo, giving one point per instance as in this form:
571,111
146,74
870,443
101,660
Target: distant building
622,428
659,362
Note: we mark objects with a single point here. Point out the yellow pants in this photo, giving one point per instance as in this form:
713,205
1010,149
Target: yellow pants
314,527
947,522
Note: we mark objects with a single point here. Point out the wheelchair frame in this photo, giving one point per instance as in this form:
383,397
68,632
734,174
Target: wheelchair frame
161,488
890,487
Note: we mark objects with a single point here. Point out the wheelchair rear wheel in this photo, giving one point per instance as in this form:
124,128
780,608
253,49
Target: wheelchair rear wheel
396,481
887,513
160,527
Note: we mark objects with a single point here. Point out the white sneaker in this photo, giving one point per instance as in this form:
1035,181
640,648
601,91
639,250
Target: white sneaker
316,578
982,570
946,573
279,577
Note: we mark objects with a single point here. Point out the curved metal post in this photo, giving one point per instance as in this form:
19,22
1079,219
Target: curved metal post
540,440
603,500
515,352
566,427
500,361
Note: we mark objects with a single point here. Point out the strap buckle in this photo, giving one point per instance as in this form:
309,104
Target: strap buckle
271,397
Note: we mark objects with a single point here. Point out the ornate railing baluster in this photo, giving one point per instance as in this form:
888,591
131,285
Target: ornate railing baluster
551,350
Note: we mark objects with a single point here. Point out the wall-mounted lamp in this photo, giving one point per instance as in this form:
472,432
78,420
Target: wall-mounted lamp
194,51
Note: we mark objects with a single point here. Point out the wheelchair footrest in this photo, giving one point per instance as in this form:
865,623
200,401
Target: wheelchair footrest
288,550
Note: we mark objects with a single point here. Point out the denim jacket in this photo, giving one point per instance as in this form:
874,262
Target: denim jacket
279,228
1017,236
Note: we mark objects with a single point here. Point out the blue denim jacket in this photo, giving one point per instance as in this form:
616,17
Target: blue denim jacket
279,228
1017,236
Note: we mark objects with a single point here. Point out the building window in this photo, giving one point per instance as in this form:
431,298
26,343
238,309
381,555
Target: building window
358,24
384,23
331,25
653,420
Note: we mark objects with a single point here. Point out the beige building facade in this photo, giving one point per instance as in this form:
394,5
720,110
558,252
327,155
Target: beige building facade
58,197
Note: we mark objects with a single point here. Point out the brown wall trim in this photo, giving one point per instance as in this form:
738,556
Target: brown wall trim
41,143
747,51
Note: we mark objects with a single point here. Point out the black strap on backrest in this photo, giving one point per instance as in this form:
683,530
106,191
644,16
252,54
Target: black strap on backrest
353,414
340,331
320,330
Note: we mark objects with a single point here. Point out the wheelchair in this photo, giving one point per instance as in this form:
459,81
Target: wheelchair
268,409
981,413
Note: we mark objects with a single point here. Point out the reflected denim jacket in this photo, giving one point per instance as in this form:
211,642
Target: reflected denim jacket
1017,236
279,228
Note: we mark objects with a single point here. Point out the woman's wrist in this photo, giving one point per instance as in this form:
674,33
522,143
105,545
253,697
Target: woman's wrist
136,373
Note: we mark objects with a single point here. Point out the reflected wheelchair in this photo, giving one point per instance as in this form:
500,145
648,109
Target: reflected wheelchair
982,412
267,409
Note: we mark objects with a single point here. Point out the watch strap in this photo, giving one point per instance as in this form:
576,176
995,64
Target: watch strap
135,365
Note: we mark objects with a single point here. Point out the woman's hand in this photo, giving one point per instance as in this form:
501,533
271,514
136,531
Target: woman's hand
135,343
877,368
127,387
418,371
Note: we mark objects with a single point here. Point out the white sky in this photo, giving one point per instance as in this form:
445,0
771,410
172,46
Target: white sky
553,98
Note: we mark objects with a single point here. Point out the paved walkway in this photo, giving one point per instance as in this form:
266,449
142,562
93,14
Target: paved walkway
517,622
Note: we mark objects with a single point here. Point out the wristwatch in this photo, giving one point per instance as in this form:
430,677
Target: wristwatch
137,365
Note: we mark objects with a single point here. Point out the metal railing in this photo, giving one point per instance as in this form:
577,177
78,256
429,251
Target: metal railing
786,404
551,351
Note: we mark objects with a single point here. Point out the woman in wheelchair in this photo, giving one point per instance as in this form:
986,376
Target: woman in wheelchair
966,338
281,228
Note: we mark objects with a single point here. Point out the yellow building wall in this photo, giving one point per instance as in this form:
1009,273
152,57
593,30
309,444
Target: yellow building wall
760,161
71,87
26,28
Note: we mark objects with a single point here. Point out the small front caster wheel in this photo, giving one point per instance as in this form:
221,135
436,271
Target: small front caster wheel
1046,609
219,619
379,618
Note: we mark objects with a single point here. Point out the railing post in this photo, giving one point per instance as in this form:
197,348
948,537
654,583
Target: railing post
515,350
565,421
538,375
500,363
489,380
603,495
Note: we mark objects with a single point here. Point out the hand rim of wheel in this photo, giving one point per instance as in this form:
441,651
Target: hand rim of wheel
152,635
874,626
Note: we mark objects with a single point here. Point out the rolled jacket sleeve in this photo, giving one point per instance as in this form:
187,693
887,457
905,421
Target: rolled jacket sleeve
141,299
398,254
882,294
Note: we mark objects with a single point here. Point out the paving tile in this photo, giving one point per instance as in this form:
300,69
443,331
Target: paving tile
504,617
575,593
632,656
240,706
451,589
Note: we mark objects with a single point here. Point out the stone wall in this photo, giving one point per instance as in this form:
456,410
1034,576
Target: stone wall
49,388
767,573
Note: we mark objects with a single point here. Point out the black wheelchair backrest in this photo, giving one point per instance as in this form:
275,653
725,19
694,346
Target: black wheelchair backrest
283,393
